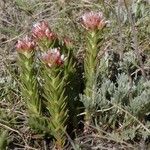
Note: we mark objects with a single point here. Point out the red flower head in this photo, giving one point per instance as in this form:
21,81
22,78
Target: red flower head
53,57
26,45
41,31
93,20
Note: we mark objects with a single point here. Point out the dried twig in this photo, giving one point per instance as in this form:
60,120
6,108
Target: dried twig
16,131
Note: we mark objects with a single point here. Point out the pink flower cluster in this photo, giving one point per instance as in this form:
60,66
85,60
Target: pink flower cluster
25,45
53,57
42,31
93,20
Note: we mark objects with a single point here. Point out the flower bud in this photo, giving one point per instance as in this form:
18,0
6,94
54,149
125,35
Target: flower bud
26,45
68,42
53,57
93,21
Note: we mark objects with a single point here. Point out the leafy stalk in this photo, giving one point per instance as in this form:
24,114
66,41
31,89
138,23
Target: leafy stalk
29,85
30,88
93,22
56,101
90,63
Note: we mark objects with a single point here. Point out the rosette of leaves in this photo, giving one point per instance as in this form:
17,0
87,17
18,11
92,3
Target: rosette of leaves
93,22
54,82
29,84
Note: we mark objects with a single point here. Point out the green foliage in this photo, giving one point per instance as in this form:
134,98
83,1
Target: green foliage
115,94
121,103
90,66
29,88
54,89
72,87
90,62
3,139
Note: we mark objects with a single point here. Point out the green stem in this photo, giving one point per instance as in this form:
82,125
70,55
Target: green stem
90,64
30,87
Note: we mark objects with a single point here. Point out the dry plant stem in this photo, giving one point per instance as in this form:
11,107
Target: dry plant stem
107,136
120,31
14,38
141,124
135,39
16,131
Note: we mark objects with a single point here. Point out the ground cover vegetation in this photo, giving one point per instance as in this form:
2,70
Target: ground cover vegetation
74,74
